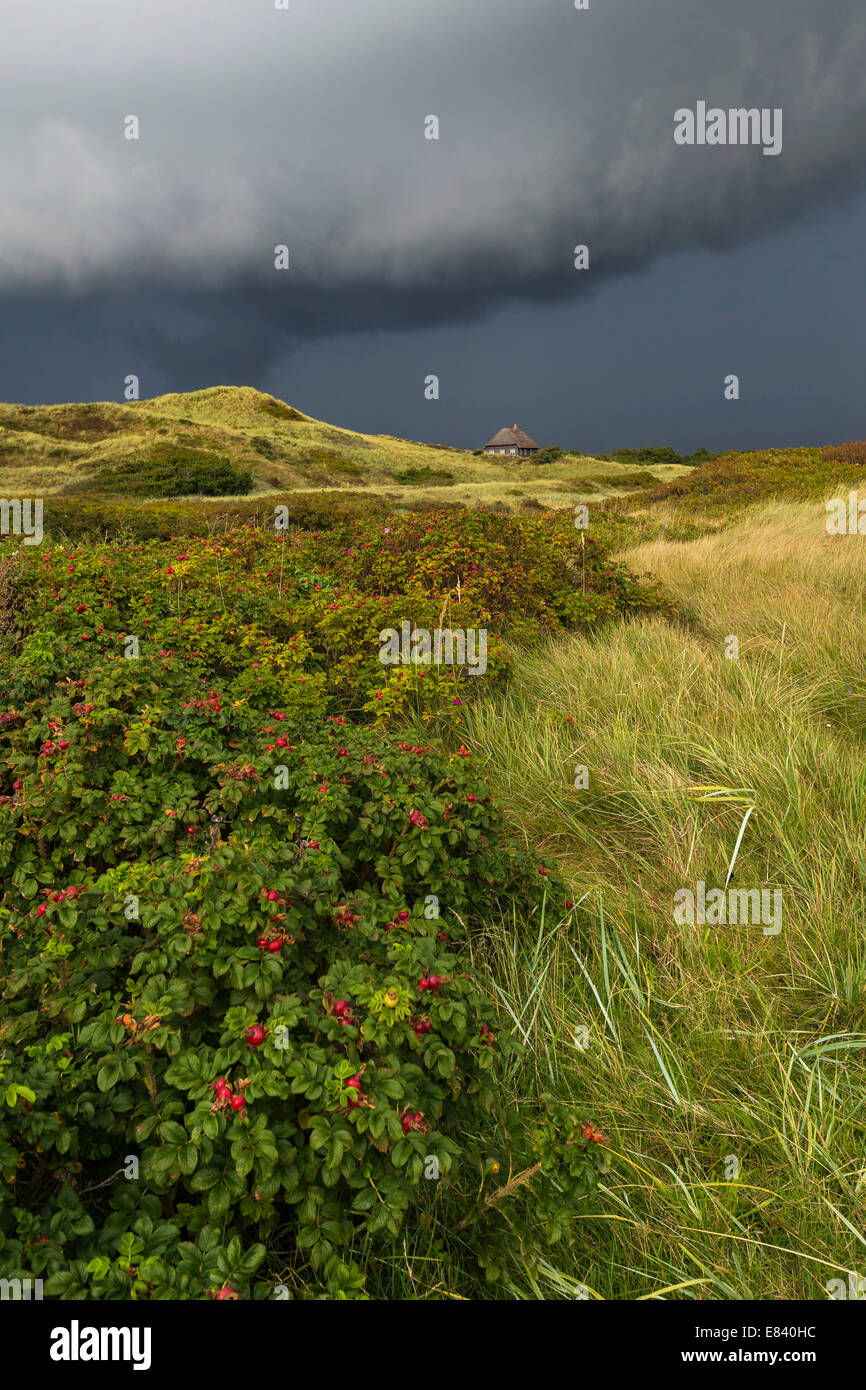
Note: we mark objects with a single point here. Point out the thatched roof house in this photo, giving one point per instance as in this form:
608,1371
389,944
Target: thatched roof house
514,441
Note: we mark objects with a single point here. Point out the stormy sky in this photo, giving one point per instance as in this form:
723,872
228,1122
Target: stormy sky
454,257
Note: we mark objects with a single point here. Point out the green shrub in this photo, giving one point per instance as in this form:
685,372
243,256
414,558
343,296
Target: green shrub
424,476
548,455
173,470
221,959
263,446
211,874
647,455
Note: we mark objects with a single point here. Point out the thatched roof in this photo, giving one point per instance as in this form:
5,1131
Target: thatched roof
513,438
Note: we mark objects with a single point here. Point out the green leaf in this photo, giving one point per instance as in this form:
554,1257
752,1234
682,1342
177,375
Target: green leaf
108,1074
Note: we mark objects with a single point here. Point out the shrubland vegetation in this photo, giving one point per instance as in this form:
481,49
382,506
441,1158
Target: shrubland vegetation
239,908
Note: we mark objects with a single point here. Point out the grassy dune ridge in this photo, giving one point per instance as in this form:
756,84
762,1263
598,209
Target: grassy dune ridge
71,450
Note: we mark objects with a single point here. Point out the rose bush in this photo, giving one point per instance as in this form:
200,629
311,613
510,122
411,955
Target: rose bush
238,1010
297,619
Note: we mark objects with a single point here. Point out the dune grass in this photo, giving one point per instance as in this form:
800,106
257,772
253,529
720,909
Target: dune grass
726,1065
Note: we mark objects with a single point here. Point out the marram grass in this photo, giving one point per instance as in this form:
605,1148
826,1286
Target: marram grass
726,1065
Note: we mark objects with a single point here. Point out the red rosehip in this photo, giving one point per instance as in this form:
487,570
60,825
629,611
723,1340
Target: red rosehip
238,1103
263,943
41,909
274,947
222,1088
423,984
354,1084
341,1007
255,1036
272,895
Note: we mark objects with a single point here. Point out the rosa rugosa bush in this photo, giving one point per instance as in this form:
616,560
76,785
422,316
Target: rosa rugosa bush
235,1006
296,620
237,1013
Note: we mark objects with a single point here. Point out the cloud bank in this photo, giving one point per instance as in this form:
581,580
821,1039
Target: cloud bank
261,127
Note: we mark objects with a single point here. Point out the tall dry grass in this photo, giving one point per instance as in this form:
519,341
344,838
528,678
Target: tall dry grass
727,1065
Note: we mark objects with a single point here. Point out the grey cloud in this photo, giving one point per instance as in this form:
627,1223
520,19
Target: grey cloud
261,127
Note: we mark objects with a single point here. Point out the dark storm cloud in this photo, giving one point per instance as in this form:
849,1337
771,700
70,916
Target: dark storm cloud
261,127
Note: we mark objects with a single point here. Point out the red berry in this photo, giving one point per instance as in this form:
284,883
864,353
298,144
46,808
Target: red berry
272,895
341,1007
238,1103
255,1036
263,943
41,909
423,984
274,946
